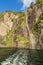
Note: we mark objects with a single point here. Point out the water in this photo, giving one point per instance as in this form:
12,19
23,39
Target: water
32,41
24,57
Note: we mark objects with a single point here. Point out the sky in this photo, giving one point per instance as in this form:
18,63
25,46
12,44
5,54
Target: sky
14,5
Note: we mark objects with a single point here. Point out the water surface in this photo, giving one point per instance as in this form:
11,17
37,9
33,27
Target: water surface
22,57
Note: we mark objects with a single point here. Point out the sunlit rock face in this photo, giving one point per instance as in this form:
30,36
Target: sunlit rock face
33,16
6,24
12,26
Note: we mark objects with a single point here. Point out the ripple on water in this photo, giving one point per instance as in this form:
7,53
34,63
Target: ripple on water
25,57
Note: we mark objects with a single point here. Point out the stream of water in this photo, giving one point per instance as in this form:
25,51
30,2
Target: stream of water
24,57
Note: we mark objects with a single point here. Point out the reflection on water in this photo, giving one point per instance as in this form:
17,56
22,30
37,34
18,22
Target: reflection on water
24,57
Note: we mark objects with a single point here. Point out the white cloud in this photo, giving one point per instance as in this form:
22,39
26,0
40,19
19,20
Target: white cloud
26,3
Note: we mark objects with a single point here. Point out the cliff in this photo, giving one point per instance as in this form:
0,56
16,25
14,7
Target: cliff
35,25
22,29
13,30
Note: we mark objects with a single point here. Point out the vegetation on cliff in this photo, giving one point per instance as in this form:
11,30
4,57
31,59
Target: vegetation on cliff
17,34
39,1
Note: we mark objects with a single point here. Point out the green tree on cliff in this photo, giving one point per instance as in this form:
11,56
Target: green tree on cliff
32,4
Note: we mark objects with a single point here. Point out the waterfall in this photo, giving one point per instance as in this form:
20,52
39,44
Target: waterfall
32,41
31,35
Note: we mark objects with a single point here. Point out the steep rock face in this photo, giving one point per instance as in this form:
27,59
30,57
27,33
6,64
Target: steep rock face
5,24
13,30
21,33
16,29
33,16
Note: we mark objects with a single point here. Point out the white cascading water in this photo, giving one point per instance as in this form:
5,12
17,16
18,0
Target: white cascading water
19,58
32,41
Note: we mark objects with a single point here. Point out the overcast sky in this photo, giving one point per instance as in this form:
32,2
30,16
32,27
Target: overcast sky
14,5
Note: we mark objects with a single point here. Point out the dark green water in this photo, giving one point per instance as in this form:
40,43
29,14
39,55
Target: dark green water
21,56
36,57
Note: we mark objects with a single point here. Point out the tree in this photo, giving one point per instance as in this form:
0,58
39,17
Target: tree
32,4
